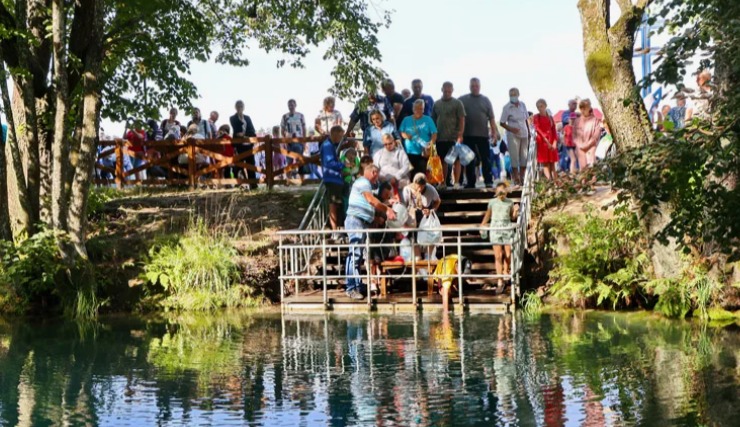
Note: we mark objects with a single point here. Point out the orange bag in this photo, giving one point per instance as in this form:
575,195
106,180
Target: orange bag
435,175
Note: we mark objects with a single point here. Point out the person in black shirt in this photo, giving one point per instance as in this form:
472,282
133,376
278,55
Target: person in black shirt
242,127
395,99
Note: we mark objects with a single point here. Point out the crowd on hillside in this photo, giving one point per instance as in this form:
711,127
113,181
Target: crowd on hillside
387,174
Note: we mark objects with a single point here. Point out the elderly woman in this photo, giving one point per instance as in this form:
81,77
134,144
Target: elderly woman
373,135
393,163
420,199
419,133
586,134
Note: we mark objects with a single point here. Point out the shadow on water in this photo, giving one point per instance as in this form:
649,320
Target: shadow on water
255,368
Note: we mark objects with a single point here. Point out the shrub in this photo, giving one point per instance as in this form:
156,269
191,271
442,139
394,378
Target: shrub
604,262
28,269
197,271
693,290
98,198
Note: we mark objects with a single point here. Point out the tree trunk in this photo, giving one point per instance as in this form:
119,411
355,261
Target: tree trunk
23,211
5,231
24,87
608,51
92,88
60,147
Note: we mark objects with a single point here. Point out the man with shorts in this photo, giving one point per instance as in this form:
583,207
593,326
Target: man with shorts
515,119
363,206
478,116
333,180
449,115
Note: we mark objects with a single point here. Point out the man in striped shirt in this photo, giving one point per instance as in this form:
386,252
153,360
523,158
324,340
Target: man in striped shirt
361,211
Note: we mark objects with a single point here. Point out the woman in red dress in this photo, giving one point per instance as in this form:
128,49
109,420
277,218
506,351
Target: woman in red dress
547,140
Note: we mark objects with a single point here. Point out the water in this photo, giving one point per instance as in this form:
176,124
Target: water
263,369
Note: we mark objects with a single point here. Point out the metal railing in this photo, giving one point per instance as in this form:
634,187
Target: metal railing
519,246
310,249
327,253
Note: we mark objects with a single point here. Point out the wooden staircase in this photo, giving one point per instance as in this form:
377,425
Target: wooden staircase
465,208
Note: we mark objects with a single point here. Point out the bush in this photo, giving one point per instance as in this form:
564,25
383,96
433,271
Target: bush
197,271
693,290
98,198
605,260
28,270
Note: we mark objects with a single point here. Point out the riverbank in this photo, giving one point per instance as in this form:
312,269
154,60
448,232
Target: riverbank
128,232
589,249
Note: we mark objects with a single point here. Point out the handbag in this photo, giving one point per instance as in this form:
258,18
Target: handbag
435,174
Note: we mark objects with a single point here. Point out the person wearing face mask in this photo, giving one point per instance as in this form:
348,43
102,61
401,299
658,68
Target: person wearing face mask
515,119
501,212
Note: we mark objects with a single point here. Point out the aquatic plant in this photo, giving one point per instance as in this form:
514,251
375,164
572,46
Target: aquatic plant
197,271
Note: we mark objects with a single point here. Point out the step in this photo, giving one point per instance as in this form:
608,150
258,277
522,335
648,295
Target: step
473,201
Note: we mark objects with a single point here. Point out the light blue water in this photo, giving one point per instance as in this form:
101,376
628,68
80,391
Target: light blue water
264,369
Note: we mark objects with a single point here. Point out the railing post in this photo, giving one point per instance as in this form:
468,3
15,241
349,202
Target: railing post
459,271
269,173
282,270
323,269
191,162
119,164
413,272
368,267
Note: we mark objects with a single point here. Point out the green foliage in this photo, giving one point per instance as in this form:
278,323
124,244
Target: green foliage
693,290
28,270
147,70
694,171
604,262
98,198
532,304
197,272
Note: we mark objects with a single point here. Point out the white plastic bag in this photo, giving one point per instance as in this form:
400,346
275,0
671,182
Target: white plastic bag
402,216
451,156
426,237
465,154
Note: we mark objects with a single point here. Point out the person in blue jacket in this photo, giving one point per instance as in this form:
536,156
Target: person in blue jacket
333,180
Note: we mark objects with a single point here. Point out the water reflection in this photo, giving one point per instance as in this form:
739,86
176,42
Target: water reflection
588,369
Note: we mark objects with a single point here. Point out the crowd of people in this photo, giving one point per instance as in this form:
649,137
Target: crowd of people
379,159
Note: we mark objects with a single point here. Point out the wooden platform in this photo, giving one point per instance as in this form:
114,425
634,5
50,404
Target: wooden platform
473,300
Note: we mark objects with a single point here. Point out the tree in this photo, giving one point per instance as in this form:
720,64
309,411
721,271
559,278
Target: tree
116,58
608,51
684,182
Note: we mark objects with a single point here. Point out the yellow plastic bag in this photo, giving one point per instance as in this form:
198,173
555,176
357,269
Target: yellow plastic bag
435,175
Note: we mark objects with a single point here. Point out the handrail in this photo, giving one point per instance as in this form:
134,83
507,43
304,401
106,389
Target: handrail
525,206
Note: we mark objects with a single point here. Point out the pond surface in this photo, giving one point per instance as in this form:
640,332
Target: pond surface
264,369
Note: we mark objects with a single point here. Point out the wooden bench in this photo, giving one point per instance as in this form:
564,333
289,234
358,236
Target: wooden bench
387,266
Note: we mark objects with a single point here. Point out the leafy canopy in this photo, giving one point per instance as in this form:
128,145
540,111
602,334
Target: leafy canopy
150,44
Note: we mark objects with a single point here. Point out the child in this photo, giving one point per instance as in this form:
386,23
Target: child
497,155
350,172
501,212
227,150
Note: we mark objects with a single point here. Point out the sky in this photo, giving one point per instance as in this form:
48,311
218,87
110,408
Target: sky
535,45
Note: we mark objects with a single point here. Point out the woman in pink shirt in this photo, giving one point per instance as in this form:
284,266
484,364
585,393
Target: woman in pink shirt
586,134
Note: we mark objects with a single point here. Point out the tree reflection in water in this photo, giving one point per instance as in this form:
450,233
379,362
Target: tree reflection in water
268,369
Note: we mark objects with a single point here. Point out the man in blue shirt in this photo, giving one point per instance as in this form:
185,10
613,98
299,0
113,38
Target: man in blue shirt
362,207
333,179
408,105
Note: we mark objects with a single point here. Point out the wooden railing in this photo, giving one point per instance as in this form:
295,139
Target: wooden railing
167,160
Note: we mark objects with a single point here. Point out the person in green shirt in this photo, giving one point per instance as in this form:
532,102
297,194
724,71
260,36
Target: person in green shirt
501,212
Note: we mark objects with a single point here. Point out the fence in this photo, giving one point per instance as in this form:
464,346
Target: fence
197,161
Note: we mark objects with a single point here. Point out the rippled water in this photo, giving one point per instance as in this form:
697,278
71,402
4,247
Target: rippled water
264,369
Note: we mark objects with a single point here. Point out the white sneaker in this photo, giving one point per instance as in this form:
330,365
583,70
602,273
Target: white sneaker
442,186
457,186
